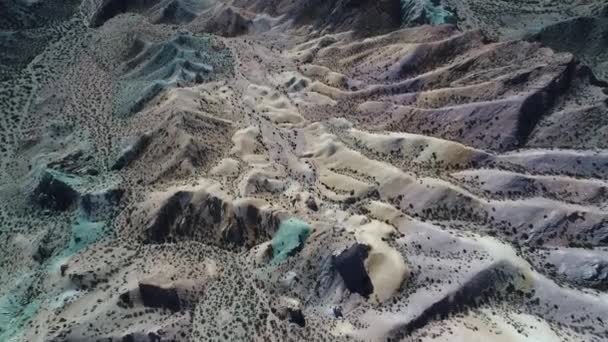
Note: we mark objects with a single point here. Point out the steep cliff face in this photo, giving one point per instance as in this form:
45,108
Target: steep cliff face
281,170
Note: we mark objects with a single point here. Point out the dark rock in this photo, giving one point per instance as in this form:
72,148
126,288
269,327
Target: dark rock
597,276
312,204
54,192
111,8
74,163
160,229
92,172
156,295
154,337
236,234
132,152
43,252
175,13
128,338
125,299
352,269
494,282
98,204
338,312
296,316
209,218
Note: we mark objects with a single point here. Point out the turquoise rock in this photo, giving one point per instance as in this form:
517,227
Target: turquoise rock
421,12
437,15
16,309
85,233
289,239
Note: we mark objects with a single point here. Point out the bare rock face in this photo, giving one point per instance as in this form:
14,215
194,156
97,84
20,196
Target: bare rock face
311,170
132,152
98,205
350,266
155,294
54,191
207,217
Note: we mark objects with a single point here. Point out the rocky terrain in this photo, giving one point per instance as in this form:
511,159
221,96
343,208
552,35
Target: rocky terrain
303,170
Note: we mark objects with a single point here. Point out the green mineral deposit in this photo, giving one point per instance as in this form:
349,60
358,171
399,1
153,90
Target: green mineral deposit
289,239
